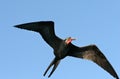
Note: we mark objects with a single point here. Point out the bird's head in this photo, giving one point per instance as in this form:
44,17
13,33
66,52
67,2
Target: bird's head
69,40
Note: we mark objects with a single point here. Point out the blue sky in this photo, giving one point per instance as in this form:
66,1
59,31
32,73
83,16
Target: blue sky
25,55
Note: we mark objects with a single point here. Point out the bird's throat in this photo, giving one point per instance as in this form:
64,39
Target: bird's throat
68,41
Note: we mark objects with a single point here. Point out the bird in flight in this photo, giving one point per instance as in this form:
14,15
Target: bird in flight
64,47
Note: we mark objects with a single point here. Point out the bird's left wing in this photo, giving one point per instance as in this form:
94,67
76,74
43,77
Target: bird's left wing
92,53
46,29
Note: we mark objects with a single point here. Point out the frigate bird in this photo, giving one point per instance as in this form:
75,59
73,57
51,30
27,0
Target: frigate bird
64,47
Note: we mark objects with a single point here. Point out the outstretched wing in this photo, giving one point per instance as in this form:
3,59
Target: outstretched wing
46,29
92,53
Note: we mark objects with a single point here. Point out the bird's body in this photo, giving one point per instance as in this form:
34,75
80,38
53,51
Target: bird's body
64,47
62,50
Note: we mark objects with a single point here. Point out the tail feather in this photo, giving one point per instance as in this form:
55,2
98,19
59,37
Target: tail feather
55,62
55,66
49,67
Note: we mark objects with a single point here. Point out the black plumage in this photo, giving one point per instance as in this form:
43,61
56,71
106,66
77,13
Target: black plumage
64,47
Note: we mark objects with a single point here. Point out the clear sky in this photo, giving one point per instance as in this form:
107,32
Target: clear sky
25,55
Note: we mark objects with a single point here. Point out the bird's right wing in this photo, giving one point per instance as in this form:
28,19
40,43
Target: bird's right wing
92,53
46,29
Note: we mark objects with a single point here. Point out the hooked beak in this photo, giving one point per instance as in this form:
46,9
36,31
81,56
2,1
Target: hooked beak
73,39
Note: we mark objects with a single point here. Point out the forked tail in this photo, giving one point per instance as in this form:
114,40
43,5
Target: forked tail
55,62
